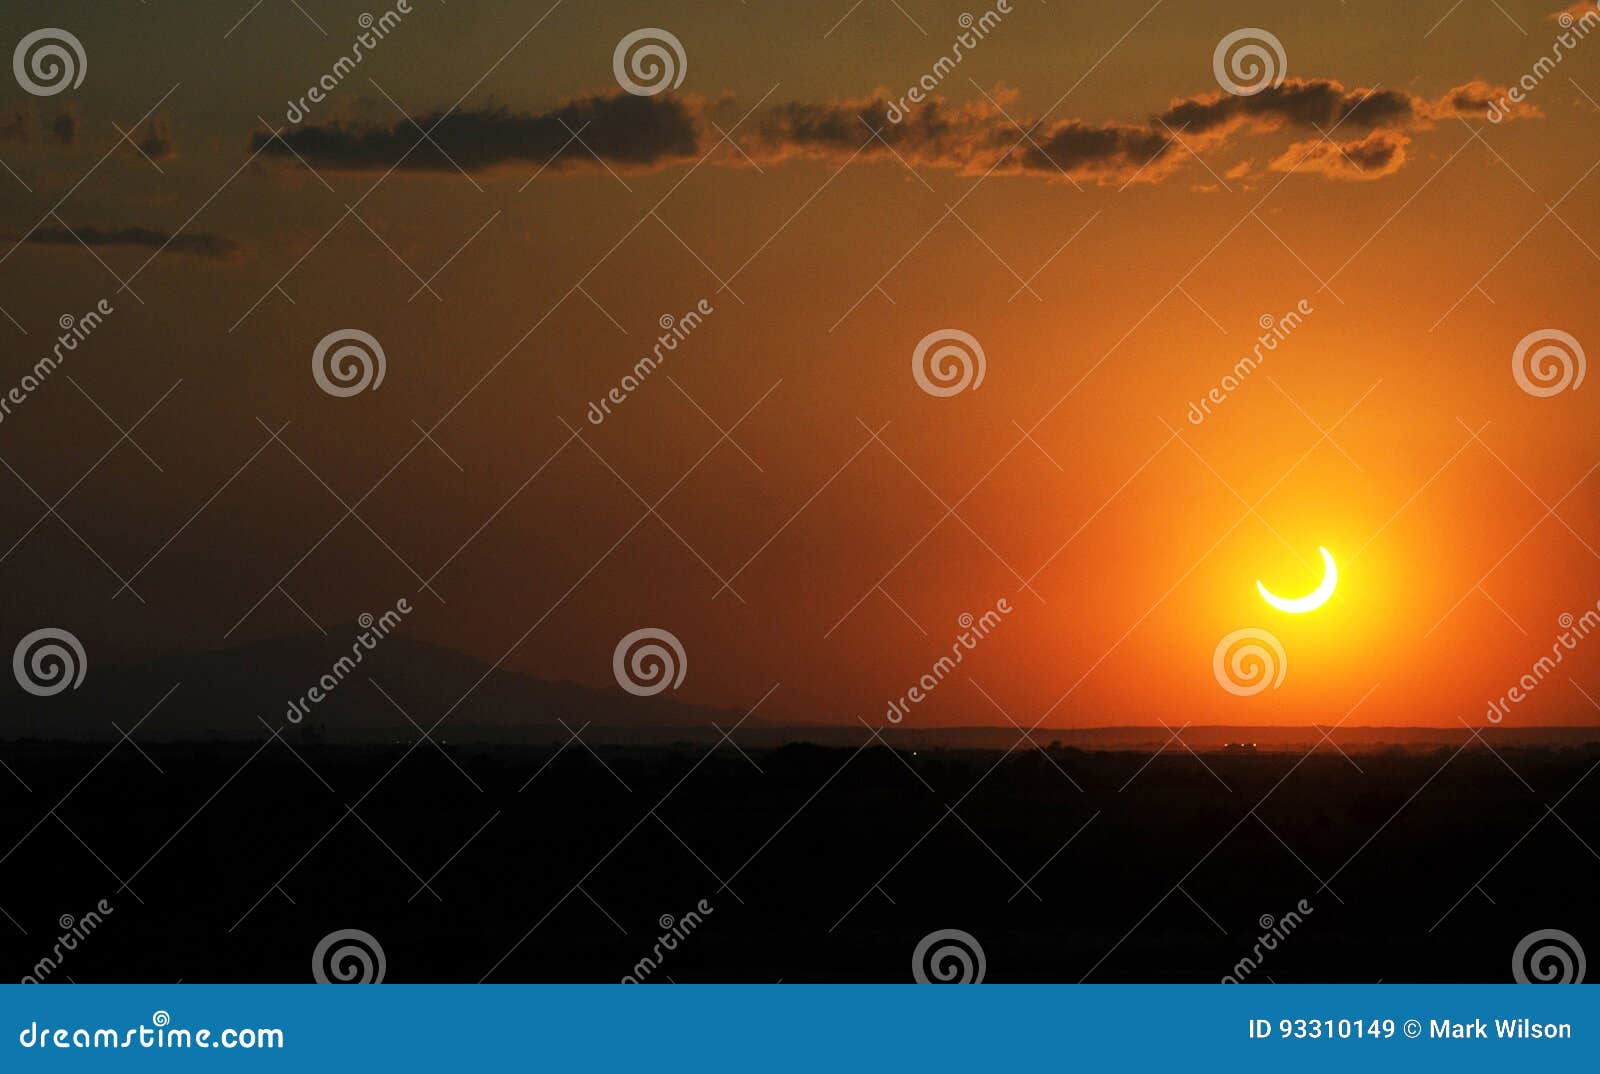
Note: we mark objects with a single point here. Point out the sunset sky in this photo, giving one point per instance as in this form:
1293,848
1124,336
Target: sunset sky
1080,196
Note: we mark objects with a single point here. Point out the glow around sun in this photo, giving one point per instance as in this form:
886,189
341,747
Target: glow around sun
1312,600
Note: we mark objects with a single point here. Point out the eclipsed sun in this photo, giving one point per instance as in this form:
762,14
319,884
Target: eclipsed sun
1312,600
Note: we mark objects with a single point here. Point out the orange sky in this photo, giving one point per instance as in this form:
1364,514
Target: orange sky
1127,539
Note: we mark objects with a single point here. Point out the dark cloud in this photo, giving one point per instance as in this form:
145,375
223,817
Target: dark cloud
1305,103
1473,100
65,128
1378,154
201,244
623,130
937,134
155,140
979,137
16,125
971,138
1089,150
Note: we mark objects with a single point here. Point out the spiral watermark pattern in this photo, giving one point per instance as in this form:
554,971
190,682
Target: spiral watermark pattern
1275,930
1248,61
649,661
974,628
75,931
974,30
1548,362
48,661
948,362
356,363
1575,29
948,956
348,956
1548,956
374,30
1573,629
374,628
1249,660
675,931
49,61
653,55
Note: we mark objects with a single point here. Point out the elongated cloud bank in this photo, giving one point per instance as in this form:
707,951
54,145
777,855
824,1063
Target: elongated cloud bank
202,244
1345,133
1359,133
621,129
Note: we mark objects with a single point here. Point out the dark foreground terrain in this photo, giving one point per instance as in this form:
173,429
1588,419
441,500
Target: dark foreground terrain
230,862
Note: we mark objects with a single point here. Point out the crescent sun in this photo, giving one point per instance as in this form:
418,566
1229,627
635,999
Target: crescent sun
1312,600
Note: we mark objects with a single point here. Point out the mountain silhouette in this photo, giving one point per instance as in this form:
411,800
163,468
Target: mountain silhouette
246,691
242,692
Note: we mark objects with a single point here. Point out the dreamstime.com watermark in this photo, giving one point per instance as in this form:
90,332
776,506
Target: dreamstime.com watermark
157,1034
1573,30
349,956
73,932
649,61
947,362
50,61
1249,660
1548,956
347,362
973,30
673,932
1274,330
948,956
373,30
48,661
1547,362
973,630
1248,61
674,330
74,330
1573,630
1273,932
373,630
648,661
